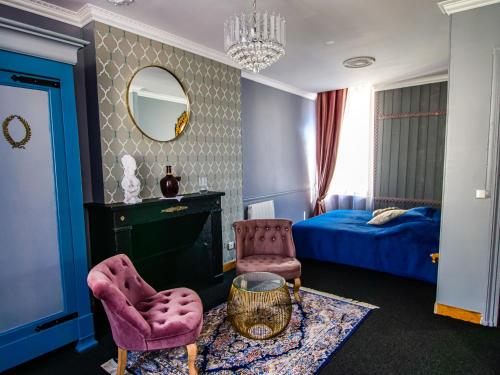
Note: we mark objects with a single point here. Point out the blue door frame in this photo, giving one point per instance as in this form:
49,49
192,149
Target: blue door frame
24,343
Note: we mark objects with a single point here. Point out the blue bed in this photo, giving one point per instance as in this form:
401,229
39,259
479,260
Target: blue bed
400,247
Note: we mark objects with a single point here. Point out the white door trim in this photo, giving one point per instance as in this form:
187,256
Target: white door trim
490,316
30,40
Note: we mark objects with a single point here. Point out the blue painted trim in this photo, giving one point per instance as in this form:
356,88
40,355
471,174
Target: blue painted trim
85,344
86,338
36,344
64,235
76,198
19,345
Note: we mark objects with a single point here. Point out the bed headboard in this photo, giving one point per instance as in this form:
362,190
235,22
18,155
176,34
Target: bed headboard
383,202
409,139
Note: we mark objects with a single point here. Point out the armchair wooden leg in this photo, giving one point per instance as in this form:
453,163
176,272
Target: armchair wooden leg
192,351
296,287
122,361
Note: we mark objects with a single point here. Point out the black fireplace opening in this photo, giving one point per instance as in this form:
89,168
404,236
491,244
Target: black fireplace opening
174,251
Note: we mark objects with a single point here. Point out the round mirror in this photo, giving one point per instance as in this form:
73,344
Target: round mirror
157,103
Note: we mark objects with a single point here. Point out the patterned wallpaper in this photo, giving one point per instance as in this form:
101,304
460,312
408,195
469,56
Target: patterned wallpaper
211,143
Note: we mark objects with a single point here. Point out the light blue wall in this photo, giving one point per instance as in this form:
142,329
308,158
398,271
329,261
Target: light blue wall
465,233
278,133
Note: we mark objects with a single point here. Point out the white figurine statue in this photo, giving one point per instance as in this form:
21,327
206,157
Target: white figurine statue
130,183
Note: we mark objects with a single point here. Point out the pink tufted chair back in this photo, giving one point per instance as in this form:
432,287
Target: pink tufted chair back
117,284
264,237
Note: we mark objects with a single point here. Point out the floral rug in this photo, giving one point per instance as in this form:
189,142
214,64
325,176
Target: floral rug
319,326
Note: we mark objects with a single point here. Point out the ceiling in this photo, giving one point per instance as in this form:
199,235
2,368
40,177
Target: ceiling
409,38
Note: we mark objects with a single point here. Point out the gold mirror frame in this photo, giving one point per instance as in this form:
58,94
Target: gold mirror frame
183,119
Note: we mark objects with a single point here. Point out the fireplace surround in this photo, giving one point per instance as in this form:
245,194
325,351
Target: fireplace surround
171,243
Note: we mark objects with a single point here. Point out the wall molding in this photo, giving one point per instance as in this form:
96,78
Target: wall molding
424,80
45,9
278,85
89,13
35,41
492,184
273,195
449,7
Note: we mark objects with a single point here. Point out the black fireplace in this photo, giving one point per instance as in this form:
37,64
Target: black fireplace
170,243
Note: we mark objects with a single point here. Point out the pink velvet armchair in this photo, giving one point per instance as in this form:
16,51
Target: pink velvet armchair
266,245
141,318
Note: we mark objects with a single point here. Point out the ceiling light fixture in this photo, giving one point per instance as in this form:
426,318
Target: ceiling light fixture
359,62
256,40
121,2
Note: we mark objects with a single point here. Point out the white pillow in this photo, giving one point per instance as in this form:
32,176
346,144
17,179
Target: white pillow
386,216
381,210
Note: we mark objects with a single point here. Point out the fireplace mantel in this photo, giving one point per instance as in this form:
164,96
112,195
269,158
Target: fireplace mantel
171,243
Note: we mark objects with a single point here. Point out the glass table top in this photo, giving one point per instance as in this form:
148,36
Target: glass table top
258,282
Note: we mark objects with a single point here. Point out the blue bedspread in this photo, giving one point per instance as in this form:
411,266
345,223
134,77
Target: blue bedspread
400,247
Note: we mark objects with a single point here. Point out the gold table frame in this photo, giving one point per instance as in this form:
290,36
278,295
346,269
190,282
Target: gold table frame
259,314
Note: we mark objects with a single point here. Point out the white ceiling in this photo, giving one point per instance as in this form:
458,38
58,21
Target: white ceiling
409,38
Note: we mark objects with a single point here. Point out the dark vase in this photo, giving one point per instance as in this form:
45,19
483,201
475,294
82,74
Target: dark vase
169,184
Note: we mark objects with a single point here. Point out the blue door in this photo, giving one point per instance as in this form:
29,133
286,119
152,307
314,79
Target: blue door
44,301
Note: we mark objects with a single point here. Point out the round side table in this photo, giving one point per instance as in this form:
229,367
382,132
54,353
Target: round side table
259,305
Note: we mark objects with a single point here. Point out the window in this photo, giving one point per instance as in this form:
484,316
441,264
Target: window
352,170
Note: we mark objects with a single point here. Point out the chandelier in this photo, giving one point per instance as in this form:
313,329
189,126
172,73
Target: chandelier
256,40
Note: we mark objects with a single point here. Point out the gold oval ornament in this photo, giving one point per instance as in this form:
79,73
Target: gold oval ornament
181,123
6,134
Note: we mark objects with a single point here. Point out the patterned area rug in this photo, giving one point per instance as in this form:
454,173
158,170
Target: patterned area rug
319,326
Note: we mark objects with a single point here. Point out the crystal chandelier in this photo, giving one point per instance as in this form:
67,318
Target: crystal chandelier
255,41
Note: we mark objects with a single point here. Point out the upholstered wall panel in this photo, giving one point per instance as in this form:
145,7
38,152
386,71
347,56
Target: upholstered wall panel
211,143
410,128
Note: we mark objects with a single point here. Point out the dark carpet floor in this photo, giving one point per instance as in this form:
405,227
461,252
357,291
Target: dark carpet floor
402,337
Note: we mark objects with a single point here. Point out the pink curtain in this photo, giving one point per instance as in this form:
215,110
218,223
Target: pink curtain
330,107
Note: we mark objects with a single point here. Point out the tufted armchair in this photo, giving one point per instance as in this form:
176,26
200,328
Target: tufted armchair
266,245
141,318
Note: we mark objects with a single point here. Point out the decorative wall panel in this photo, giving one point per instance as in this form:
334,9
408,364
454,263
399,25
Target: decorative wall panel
409,145
211,144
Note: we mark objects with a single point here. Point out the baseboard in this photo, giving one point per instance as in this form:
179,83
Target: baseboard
229,266
457,313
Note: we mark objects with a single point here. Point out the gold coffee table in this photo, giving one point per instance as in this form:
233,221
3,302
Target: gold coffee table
259,305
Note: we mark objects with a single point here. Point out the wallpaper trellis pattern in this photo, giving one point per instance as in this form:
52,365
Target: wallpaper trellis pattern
211,143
